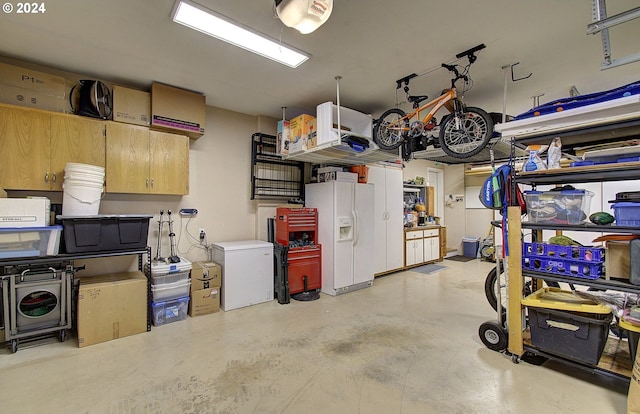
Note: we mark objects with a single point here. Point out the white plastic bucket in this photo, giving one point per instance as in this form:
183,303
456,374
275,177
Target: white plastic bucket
84,177
84,168
81,198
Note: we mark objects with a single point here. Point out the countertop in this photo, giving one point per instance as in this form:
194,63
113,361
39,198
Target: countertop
417,228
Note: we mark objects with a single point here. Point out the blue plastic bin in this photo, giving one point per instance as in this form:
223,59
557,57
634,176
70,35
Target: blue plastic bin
470,246
626,213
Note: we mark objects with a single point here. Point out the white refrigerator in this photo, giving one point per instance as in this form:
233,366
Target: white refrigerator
247,272
346,233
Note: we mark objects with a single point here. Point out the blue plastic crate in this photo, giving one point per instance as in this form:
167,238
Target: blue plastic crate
626,213
593,254
570,268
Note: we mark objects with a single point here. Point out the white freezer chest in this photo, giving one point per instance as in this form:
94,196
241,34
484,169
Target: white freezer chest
247,272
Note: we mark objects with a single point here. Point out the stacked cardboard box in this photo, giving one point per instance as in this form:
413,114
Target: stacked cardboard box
33,89
206,280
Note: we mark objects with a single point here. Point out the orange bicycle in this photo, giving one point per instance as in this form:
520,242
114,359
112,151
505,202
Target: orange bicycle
462,134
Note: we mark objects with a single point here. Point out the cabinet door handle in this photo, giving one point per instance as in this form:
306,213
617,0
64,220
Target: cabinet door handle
46,177
53,177
152,183
147,182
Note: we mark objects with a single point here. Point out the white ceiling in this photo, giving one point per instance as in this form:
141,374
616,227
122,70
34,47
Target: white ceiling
370,43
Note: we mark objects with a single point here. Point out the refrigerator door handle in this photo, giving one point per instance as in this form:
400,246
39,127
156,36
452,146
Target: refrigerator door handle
356,224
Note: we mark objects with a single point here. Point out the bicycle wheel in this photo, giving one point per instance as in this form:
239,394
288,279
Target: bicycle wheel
491,286
390,129
472,135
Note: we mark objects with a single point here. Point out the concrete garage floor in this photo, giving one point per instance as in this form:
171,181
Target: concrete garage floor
407,345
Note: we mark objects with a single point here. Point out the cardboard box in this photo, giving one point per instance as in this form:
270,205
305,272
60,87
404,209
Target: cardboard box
205,275
15,95
300,129
282,146
177,110
617,260
131,106
111,306
204,302
338,176
32,80
24,212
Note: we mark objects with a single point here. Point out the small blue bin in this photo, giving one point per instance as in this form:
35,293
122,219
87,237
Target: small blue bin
470,246
626,213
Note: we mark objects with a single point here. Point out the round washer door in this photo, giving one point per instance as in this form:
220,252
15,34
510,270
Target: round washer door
38,306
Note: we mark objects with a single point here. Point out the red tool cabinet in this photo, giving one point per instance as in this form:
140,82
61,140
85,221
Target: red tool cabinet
298,252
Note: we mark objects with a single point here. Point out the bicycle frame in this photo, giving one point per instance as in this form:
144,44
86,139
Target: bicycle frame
444,100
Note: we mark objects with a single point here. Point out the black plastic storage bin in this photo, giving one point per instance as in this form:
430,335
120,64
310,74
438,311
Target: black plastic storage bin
105,232
580,337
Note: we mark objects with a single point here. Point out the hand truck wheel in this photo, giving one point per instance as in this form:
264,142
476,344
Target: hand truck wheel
493,336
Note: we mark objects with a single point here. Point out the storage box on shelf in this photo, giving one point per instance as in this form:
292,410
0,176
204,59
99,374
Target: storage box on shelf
25,212
626,213
302,130
131,106
105,232
29,241
177,110
560,207
633,335
34,89
567,325
585,262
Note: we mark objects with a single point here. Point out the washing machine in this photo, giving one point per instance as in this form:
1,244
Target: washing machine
36,301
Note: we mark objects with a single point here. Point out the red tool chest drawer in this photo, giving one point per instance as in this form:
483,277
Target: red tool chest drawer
304,263
296,224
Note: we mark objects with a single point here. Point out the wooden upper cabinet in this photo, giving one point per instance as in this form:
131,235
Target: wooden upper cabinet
169,163
36,145
25,148
127,169
75,139
146,162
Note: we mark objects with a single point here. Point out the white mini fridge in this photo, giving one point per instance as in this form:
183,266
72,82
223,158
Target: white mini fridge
247,272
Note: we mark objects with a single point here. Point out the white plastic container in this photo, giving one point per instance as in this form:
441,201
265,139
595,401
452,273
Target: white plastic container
161,268
81,198
169,291
83,187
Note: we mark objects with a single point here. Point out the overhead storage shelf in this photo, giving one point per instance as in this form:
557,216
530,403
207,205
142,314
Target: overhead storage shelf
335,125
617,118
501,151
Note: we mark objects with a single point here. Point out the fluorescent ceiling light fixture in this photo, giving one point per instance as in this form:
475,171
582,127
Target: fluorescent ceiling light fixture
213,24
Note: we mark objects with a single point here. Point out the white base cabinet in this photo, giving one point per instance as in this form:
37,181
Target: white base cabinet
421,246
388,217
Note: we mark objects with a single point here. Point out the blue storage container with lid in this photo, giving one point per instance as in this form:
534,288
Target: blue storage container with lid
626,213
